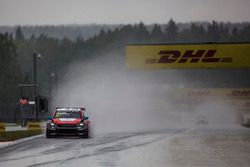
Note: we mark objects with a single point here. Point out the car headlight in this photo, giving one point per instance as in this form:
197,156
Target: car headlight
81,124
52,126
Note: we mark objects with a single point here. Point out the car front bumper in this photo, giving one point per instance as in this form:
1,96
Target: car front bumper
64,129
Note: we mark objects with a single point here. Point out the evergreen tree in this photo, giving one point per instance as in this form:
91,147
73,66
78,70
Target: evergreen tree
245,34
224,32
156,33
171,31
235,32
213,32
142,33
197,33
128,34
58,53
10,72
19,34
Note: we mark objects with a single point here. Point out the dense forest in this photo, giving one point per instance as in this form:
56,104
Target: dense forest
60,31
89,30
17,48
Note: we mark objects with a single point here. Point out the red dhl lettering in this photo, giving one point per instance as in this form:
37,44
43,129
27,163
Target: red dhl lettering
198,93
189,56
34,126
241,93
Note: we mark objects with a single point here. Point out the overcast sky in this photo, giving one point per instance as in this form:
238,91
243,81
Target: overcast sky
22,12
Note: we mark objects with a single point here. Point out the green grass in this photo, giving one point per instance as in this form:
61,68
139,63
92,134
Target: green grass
14,135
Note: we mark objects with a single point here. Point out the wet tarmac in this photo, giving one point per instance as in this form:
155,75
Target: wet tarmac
169,147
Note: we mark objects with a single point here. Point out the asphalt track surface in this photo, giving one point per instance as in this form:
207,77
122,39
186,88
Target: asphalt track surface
170,147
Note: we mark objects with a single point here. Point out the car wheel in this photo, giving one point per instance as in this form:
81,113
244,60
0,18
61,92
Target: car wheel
85,134
48,135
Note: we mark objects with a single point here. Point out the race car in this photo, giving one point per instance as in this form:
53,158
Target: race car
68,121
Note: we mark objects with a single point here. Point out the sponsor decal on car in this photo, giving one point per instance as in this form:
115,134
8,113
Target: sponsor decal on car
67,119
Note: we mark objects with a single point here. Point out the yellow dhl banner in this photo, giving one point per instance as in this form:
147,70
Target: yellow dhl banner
227,93
235,55
2,127
34,126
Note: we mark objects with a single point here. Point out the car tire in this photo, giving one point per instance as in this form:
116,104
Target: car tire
85,134
48,135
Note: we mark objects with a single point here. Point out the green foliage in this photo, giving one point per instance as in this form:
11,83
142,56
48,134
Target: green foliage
57,54
171,31
156,33
213,32
19,34
9,71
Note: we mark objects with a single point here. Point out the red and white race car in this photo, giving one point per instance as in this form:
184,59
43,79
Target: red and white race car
68,121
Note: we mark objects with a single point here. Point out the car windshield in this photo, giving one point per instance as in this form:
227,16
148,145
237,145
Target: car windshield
67,114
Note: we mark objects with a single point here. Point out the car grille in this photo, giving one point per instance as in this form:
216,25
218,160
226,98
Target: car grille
67,126
66,131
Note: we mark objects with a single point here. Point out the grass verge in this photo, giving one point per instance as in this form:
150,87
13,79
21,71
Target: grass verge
14,135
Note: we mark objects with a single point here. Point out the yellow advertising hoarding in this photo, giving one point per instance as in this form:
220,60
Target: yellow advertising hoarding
158,56
187,99
2,127
225,93
34,126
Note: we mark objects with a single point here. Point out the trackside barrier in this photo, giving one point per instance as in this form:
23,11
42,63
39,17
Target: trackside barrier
34,126
225,93
2,127
186,99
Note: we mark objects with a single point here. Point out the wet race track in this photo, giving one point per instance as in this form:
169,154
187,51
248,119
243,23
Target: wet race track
170,147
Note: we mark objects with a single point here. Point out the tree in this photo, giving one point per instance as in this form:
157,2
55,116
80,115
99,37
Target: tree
214,32
235,32
171,31
245,34
142,33
59,53
197,33
10,72
19,34
156,33
224,32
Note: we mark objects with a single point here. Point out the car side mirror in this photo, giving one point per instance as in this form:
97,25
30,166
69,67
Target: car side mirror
49,118
86,117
